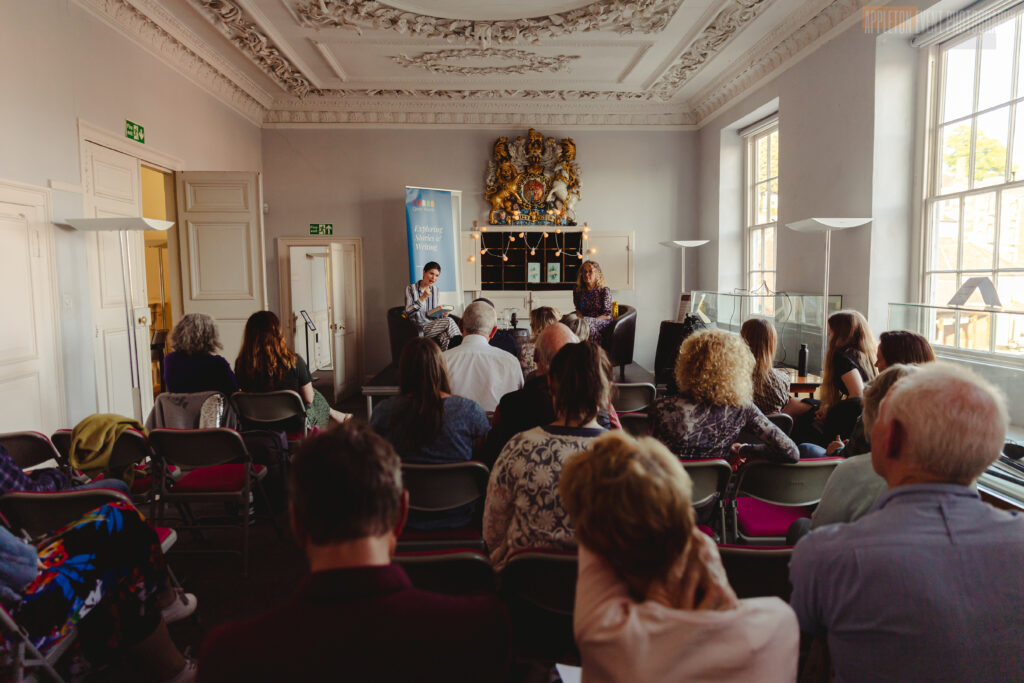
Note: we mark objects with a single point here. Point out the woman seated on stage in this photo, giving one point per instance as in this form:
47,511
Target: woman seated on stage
265,364
420,299
593,299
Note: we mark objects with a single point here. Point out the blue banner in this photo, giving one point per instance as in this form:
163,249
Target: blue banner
431,234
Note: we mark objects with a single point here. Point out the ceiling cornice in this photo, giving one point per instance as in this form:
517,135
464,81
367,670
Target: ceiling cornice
524,61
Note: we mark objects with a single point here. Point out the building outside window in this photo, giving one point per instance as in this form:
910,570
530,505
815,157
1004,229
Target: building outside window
762,212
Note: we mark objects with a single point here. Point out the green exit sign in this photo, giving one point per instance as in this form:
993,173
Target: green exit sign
134,131
321,228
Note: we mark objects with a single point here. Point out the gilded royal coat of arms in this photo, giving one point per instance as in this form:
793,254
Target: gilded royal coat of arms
533,181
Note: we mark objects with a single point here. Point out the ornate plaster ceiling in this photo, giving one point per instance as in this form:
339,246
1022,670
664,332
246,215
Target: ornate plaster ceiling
476,62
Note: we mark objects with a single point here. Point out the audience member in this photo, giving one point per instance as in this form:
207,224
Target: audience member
902,346
540,318
578,324
714,371
502,339
928,585
593,299
477,370
46,479
771,386
104,576
421,307
357,616
266,364
523,509
853,488
652,599
194,366
426,424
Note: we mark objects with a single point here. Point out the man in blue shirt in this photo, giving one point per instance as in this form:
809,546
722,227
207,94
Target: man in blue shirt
930,584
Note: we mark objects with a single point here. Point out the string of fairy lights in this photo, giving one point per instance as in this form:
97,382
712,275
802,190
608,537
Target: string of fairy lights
559,248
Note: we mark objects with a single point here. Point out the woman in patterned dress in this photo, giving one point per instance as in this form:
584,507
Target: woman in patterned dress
593,299
523,509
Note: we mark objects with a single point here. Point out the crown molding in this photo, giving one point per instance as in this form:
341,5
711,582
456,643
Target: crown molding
507,116
148,25
523,61
768,61
621,16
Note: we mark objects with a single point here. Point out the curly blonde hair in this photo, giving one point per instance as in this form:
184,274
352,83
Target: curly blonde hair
716,367
598,276
195,333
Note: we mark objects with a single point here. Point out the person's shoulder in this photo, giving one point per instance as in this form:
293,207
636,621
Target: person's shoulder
218,658
831,543
769,609
461,404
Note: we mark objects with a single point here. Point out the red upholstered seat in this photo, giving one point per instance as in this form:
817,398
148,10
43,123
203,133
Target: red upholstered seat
215,478
706,529
758,518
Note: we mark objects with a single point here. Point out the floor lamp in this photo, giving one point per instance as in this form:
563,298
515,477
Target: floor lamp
681,245
122,226
827,226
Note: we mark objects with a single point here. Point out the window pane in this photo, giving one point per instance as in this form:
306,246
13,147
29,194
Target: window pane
975,298
762,204
942,286
755,250
944,331
773,200
979,231
975,330
1011,232
769,248
990,147
945,234
769,302
1009,331
1017,158
762,158
773,159
996,65
956,155
959,83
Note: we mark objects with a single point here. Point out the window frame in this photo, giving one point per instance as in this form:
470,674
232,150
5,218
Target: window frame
763,129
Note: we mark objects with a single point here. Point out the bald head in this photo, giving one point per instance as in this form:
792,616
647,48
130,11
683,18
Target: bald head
549,341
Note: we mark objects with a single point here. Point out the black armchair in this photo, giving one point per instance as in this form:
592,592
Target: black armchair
400,331
619,337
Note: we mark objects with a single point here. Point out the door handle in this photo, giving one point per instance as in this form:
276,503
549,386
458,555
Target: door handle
143,320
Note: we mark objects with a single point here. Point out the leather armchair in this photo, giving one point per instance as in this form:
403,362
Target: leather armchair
400,331
619,338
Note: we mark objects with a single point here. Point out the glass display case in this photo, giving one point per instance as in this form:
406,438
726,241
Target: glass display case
797,318
964,328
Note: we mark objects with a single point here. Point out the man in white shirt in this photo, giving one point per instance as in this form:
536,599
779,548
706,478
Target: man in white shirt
477,370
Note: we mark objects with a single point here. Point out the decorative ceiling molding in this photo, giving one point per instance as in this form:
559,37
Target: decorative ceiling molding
523,61
709,43
149,25
317,118
621,16
449,94
788,48
240,30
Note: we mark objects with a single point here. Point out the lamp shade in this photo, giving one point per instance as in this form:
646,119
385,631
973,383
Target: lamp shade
826,224
683,244
117,223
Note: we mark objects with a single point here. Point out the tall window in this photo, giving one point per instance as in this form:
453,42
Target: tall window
762,212
975,198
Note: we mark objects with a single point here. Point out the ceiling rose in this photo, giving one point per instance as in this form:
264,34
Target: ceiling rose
494,10
440,62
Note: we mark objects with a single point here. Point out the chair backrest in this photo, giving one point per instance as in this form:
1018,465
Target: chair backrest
260,408
632,397
131,448
29,449
190,448
455,572
620,335
1013,450
544,578
434,488
709,477
40,513
636,424
757,571
782,421
796,484
61,440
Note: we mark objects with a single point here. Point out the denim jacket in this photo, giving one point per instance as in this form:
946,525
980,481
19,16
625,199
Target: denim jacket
19,565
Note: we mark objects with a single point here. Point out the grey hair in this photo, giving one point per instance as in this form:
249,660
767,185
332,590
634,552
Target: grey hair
195,333
479,318
576,323
877,390
955,422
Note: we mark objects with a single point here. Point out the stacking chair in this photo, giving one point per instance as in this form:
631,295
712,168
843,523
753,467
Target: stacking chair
636,424
780,420
31,449
217,468
454,572
633,397
257,410
22,656
539,587
710,478
770,496
132,448
757,571
438,488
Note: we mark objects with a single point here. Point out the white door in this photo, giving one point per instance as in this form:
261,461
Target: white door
221,242
614,251
112,189
30,384
345,297
310,282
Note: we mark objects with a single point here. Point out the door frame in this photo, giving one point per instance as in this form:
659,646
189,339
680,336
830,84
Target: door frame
34,195
284,284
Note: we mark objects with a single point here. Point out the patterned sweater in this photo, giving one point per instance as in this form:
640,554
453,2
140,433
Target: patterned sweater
523,509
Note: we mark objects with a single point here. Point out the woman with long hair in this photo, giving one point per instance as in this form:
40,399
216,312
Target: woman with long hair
593,299
427,424
265,363
714,372
771,386
194,364
540,318
522,508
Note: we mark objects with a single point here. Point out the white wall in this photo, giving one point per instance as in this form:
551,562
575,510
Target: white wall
62,64
631,180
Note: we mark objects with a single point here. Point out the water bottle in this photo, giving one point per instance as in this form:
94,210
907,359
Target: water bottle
801,364
615,309
515,320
